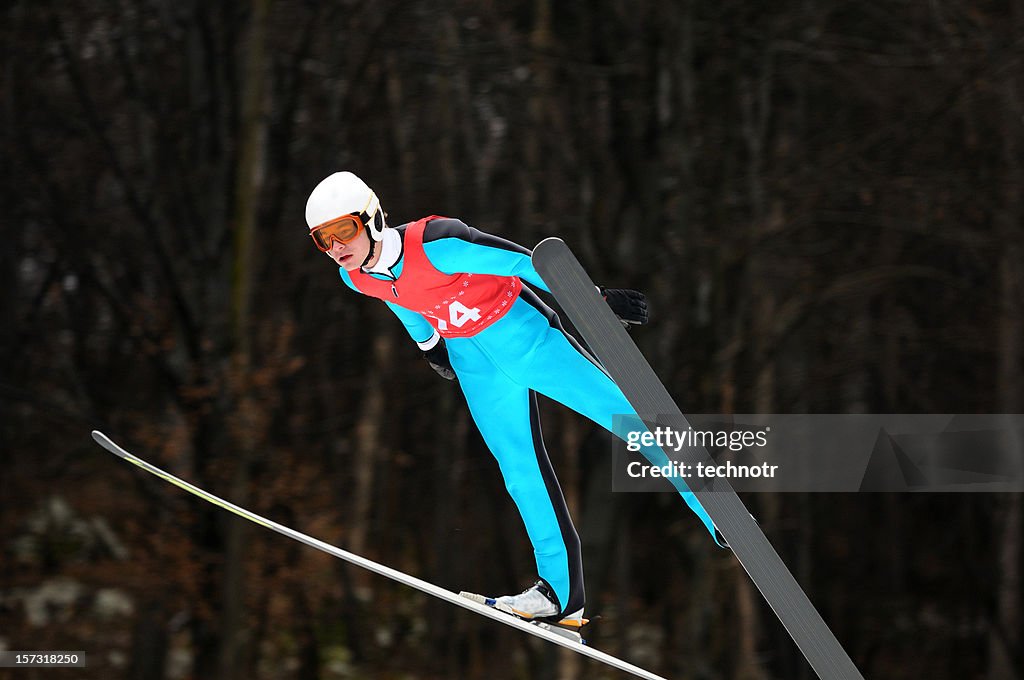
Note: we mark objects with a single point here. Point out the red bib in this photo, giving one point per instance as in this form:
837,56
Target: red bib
457,305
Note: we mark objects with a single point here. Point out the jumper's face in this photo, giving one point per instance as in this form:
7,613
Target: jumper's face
350,255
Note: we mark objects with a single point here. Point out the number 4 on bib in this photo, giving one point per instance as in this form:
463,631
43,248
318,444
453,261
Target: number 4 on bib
459,314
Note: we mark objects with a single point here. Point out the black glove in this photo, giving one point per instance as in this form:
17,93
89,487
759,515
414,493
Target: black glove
437,357
629,305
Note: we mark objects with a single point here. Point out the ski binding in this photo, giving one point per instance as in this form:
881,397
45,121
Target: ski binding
567,628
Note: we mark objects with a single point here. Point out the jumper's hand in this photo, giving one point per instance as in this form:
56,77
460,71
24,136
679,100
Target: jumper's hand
629,305
437,357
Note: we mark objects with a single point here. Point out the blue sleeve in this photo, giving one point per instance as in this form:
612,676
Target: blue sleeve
453,247
419,329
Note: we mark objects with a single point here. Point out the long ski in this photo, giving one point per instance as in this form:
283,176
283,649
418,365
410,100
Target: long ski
543,633
604,334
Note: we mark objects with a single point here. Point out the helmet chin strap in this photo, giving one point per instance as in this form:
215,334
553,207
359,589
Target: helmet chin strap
378,223
369,255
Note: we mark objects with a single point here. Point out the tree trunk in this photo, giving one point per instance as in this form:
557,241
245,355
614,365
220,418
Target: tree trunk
368,441
1005,638
755,102
149,642
236,661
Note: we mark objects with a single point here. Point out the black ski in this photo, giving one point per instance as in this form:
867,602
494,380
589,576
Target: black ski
602,332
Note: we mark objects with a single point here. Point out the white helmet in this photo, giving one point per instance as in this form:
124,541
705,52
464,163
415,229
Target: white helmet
345,194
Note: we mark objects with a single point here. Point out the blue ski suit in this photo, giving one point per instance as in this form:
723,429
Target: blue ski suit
501,369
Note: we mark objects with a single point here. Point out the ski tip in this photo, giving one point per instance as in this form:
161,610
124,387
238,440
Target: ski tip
107,443
549,241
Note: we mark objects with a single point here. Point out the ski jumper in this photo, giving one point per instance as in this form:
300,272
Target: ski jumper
452,281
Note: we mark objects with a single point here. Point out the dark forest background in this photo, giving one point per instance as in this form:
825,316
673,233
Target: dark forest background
821,198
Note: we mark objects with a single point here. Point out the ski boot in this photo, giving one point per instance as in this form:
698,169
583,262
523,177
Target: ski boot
538,605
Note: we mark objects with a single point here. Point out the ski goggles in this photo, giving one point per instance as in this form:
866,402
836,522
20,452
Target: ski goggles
342,229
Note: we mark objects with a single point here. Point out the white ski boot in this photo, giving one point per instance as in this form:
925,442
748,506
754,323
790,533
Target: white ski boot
536,604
